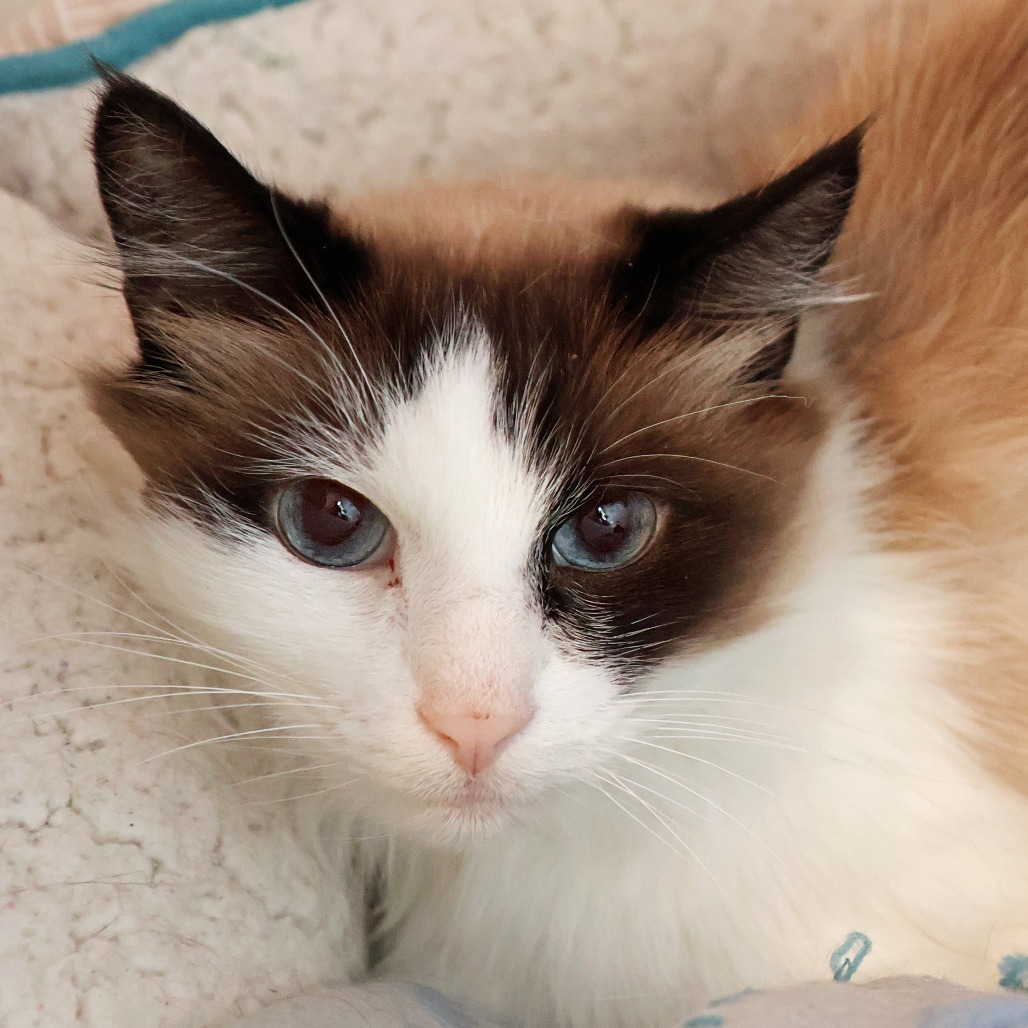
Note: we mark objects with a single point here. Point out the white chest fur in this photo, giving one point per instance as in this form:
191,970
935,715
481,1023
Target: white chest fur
846,799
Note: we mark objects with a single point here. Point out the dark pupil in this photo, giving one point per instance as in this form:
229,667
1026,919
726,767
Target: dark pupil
605,528
329,514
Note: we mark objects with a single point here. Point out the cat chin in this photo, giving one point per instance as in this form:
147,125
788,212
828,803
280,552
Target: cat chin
461,830
457,821
446,827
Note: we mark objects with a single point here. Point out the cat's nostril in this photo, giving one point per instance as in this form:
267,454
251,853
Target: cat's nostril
474,738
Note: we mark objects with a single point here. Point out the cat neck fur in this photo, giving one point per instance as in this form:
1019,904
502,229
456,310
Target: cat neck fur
864,809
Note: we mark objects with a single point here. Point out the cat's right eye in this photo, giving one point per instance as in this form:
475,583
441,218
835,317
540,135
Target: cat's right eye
607,533
328,524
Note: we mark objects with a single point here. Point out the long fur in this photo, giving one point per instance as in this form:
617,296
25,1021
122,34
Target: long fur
800,713
937,238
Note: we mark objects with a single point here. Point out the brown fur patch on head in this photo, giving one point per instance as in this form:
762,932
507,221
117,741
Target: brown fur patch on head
603,405
634,350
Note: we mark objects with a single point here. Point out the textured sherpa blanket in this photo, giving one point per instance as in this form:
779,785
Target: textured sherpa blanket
133,891
894,1003
146,880
345,94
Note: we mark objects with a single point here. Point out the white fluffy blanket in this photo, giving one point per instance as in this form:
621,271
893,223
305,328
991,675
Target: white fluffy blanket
140,890
131,893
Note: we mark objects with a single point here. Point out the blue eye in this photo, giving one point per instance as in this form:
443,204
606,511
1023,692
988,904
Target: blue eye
606,534
325,523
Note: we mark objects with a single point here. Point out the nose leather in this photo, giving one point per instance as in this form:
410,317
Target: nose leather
474,738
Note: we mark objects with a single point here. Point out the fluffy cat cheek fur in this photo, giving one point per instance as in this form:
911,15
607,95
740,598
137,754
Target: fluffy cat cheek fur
344,677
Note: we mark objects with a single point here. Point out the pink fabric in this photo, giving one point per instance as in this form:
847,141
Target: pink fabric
50,23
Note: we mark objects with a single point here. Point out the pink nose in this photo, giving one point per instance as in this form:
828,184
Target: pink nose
474,738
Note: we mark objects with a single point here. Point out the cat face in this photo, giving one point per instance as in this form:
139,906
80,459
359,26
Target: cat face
465,492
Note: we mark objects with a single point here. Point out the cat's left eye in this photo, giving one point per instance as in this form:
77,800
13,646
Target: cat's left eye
608,533
328,524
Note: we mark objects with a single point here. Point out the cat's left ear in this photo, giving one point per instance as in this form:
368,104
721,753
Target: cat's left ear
198,234
754,259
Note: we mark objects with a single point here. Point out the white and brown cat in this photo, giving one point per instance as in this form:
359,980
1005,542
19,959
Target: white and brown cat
655,617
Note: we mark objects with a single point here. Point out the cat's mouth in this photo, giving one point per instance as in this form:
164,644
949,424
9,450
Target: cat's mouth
468,810
474,797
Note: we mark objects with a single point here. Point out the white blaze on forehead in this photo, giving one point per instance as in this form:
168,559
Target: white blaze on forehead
456,489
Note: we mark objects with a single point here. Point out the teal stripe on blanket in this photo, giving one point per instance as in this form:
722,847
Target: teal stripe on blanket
121,44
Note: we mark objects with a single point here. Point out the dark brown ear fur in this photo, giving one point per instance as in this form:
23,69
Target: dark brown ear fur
751,259
197,233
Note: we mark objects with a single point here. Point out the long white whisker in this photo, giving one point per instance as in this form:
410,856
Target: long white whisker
710,722
704,818
711,735
673,367
169,659
614,779
288,771
594,783
679,783
316,388
178,635
693,717
707,763
707,730
91,635
184,689
217,707
690,456
713,696
694,413
86,707
185,637
276,740
224,738
302,796
209,269
50,580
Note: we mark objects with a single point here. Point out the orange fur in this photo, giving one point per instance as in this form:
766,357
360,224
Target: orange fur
496,219
938,355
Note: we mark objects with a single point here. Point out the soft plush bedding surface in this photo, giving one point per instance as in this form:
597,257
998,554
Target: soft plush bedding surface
349,94
144,879
894,1003
133,891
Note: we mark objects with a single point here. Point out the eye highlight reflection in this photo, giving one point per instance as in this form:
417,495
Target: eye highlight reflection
325,523
607,533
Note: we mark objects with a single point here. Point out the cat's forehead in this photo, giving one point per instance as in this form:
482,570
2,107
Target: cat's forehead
460,489
494,219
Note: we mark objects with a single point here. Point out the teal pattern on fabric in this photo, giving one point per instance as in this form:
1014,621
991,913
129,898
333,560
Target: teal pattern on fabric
121,44
847,958
445,1013
704,1021
735,997
1013,969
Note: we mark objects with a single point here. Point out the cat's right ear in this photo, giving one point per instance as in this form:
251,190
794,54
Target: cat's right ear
753,261
197,233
